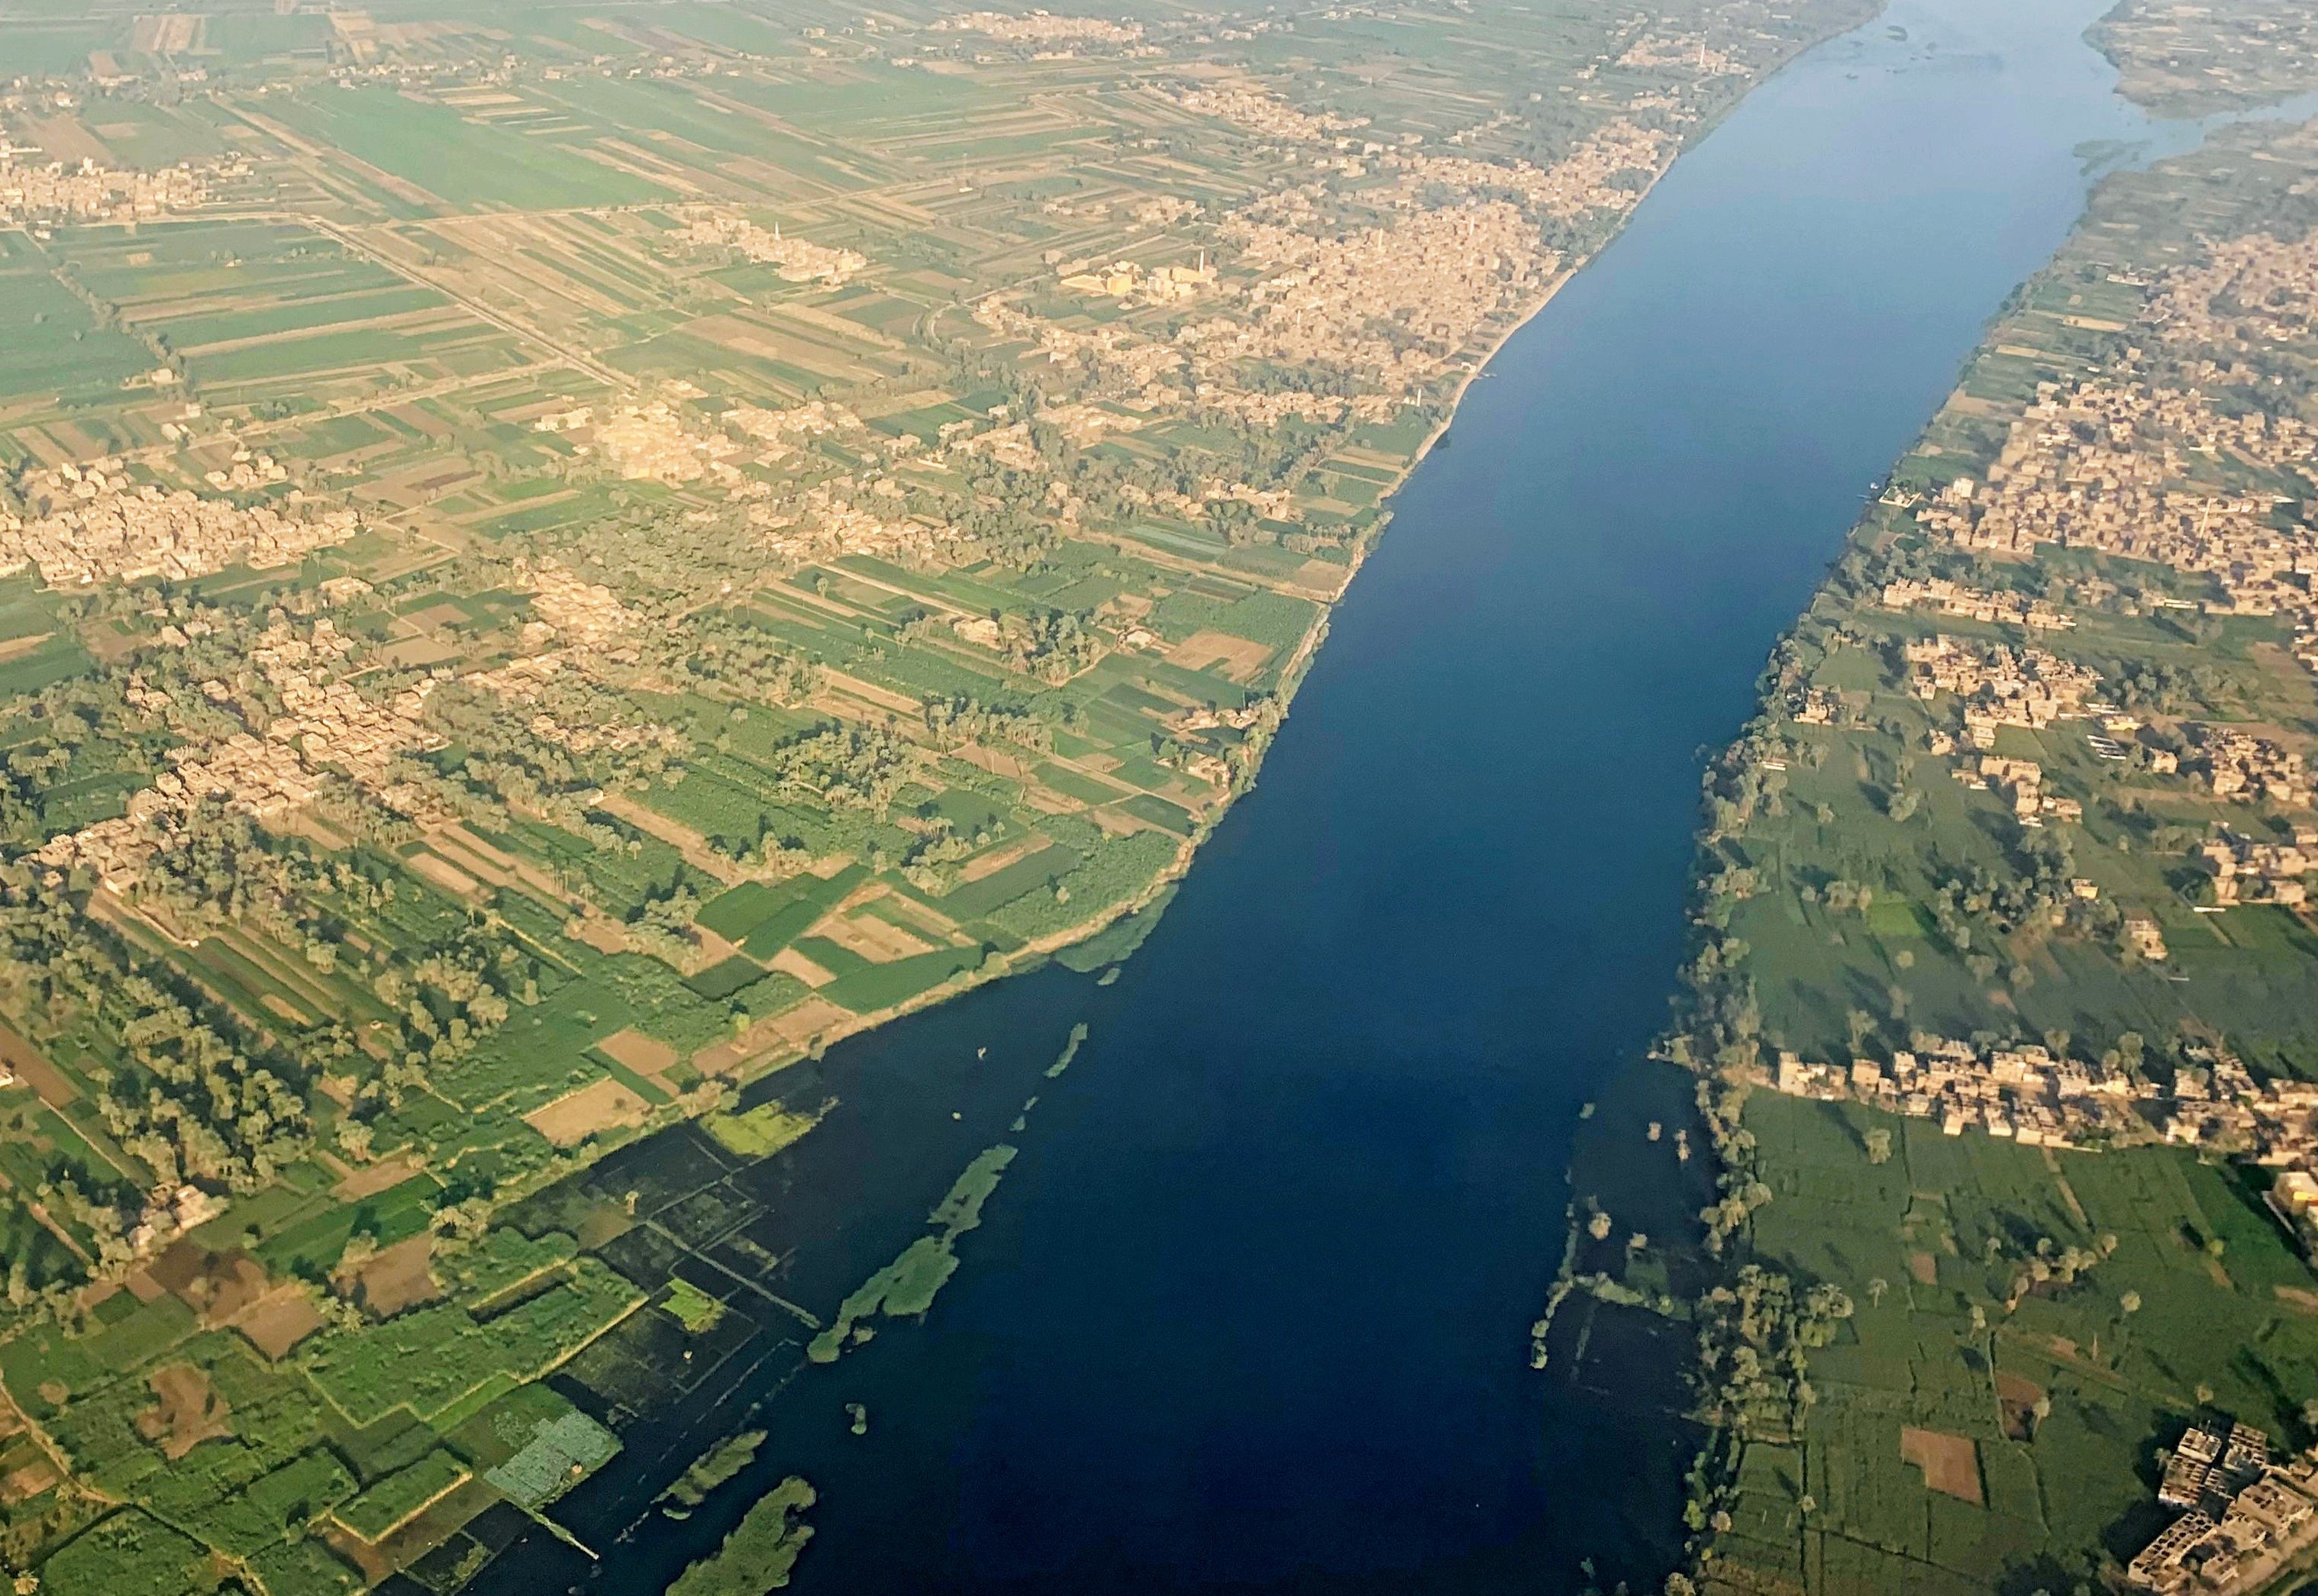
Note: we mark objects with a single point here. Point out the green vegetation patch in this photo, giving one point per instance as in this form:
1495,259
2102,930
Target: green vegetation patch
759,1555
129,1554
303,1567
559,1453
693,1308
722,980
281,1503
722,1462
882,986
466,162
399,1498
436,1357
906,1287
502,1259
762,1131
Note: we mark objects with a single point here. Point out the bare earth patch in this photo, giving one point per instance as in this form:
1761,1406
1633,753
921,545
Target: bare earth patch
215,1285
795,1028
1239,657
188,1411
444,875
998,858
2016,1396
790,962
873,939
25,1062
1951,1463
22,1484
646,1055
1924,1268
399,1276
279,1321
368,1182
600,932
577,1115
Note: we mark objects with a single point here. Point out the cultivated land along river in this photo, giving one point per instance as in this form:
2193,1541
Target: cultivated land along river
1250,1310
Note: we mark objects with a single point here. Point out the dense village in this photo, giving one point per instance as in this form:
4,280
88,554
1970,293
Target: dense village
55,192
2245,1520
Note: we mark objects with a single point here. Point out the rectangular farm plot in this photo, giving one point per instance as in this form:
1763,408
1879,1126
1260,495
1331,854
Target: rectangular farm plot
402,1496
1239,659
882,986
49,342
432,1360
604,1105
463,161
560,1452
252,303
765,918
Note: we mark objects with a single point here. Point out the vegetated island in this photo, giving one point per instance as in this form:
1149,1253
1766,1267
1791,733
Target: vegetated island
758,1555
720,1464
2001,998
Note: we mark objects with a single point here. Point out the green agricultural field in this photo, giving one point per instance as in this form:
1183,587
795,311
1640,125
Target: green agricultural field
432,1361
463,161
396,1499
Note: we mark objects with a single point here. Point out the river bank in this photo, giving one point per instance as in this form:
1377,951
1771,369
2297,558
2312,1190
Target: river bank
1943,1345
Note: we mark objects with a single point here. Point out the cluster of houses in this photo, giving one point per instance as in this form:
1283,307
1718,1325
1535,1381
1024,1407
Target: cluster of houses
1269,117
1970,604
331,724
798,260
2105,467
2021,1092
2245,1518
1453,245
2246,870
91,525
2254,291
1435,275
2227,1111
2022,781
1125,280
171,1211
1040,27
2000,685
2025,1092
1584,180
327,726
584,614
247,470
2239,765
55,192
647,442
784,430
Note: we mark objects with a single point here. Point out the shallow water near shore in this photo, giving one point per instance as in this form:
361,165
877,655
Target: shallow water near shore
1250,1311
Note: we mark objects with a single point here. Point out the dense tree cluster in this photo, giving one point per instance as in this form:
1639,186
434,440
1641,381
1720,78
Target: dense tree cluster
193,1092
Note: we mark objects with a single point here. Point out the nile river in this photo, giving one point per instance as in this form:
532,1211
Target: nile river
1250,1311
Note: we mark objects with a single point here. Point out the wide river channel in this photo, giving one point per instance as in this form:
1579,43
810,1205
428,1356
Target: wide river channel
1250,1311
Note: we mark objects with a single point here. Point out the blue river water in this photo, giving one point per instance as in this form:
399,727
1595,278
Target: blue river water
1250,1311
